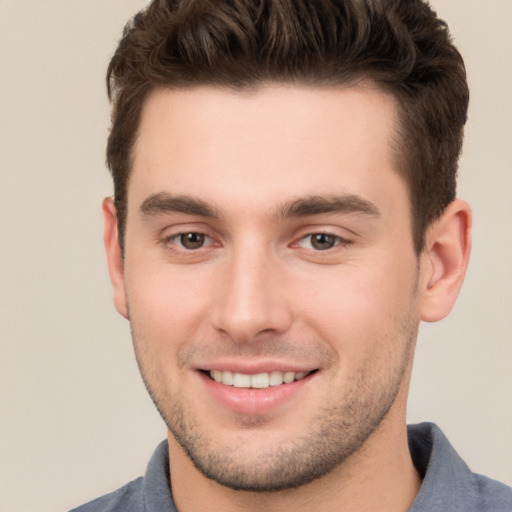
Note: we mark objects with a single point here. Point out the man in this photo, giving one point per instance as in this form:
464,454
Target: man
284,217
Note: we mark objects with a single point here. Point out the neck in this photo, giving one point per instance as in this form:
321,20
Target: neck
380,476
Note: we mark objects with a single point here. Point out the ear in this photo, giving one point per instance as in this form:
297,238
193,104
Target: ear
444,261
114,256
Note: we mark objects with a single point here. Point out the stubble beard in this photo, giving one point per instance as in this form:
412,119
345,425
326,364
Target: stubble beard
337,432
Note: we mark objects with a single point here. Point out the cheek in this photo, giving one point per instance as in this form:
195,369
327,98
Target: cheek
166,304
165,312
361,307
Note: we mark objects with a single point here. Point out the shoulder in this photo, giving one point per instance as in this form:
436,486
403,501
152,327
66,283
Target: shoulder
126,499
448,483
492,495
152,492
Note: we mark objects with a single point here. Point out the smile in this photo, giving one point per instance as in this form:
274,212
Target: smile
258,381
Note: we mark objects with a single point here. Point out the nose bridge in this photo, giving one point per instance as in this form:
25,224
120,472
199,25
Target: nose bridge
250,300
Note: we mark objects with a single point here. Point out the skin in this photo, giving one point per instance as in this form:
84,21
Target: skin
259,174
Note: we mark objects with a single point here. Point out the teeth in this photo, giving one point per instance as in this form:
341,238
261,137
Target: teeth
227,378
258,381
275,378
261,380
288,377
241,380
216,375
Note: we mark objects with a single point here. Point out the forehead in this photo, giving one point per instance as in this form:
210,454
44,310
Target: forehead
262,144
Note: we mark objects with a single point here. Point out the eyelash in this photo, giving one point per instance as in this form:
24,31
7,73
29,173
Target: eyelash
173,241
174,244
338,241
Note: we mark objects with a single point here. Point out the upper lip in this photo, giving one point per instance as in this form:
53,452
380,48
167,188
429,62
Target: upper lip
253,368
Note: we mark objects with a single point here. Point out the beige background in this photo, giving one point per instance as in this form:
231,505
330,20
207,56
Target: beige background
75,420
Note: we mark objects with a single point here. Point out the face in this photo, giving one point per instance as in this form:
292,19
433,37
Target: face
270,277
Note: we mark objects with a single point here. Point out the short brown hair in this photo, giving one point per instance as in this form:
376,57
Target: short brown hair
400,45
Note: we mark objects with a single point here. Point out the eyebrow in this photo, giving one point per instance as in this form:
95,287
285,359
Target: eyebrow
316,205
161,203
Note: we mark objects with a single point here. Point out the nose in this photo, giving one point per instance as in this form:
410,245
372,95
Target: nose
251,298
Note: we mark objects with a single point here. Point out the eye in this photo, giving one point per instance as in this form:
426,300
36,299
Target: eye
190,241
320,241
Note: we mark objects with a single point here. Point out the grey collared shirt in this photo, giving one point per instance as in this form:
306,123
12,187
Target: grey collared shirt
448,484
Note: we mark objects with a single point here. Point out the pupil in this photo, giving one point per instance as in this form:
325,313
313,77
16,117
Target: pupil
192,240
322,241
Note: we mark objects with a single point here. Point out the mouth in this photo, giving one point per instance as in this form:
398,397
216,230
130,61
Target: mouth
255,391
256,381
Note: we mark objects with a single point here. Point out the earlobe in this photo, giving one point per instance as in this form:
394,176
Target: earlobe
114,255
445,260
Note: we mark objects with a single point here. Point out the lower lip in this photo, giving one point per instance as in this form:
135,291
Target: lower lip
252,401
